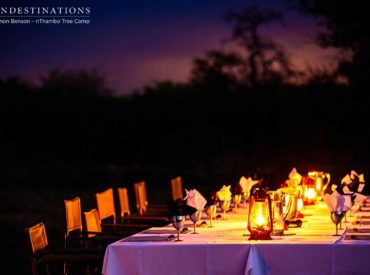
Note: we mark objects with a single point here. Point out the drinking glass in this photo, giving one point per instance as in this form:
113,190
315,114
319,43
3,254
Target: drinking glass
211,212
178,222
245,198
196,216
277,218
237,199
224,206
336,217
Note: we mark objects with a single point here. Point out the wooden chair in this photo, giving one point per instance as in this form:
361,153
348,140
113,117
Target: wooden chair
43,261
105,204
76,237
142,204
107,214
123,201
73,222
176,189
138,219
93,226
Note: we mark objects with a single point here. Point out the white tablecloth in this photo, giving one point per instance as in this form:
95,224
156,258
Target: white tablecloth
225,249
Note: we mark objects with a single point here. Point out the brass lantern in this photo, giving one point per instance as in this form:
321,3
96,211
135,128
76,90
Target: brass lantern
309,190
322,180
260,217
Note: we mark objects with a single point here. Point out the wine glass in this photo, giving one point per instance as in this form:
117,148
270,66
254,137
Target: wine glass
336,217
245,198
178,222
211,212
237,199
196,216
277,218
224,206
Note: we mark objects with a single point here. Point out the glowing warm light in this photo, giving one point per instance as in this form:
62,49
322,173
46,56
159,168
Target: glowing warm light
260,224
309,190
299,204
286,199
311,193
260,220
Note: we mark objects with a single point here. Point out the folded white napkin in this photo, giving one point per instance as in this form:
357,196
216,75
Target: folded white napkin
294,177
335,202
224,194
346,190
353,174
195,199
247,183
346,180
347,201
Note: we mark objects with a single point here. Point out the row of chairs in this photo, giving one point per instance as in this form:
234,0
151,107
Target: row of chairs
84,244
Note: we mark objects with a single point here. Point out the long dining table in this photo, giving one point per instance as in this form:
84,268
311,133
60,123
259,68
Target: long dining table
225,248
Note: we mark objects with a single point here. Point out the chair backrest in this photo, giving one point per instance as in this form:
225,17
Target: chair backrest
73,215
38,238
123,201
105,203
92,221
141,198
176,188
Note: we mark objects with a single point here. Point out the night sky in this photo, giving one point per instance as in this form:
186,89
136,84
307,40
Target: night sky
137,42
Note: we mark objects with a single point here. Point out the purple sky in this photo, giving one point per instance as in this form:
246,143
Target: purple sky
135,43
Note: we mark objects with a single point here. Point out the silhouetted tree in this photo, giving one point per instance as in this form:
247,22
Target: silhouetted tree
163,89
217,68
346,27
15,86
265,61
322,77
74,83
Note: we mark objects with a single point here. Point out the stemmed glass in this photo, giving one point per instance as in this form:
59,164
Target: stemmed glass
277,218
336,217
211,212
245,198
224,206
178,222
237,199
196,216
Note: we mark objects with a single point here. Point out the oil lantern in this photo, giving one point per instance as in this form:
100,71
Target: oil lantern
260,217
309,190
